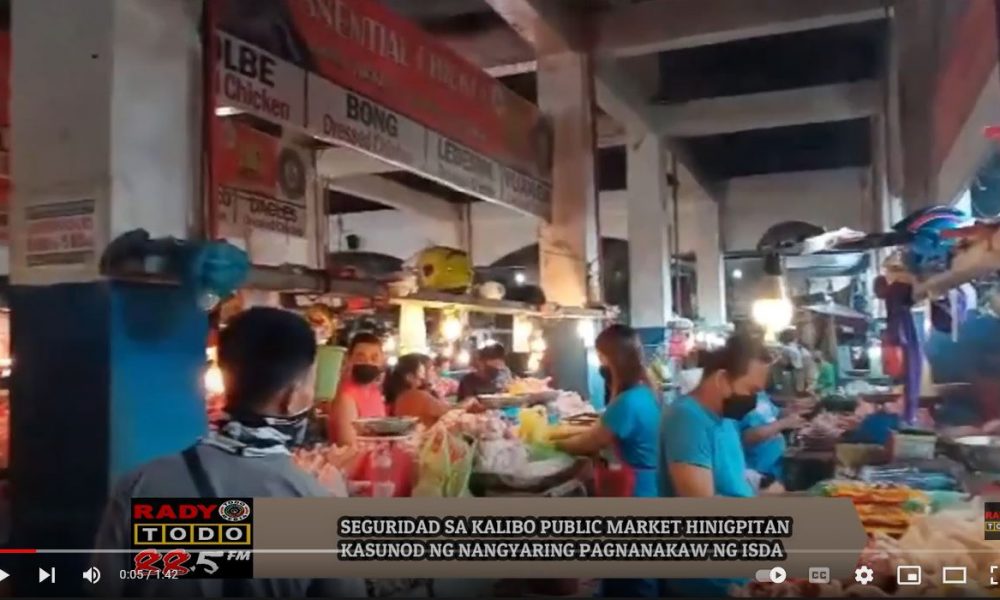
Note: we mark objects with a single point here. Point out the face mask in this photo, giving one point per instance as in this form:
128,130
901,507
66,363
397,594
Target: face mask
738,406
605,372
292,426
365,374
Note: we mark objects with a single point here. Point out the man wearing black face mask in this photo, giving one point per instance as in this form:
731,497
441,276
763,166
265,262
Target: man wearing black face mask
491,375
701,454
266,355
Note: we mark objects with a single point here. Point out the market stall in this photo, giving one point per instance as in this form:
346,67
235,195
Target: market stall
918,484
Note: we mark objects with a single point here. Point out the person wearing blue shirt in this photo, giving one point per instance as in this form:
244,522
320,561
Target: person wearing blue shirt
628,431
762,431
701,453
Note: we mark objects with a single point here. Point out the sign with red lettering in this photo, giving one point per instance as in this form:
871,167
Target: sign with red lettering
251,80
192,537
59,234
380,84
362,45
265,194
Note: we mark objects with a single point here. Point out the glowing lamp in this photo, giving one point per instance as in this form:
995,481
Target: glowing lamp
451,328
213,381
772,309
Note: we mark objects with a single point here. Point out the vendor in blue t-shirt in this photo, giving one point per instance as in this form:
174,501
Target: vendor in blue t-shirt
628,431
762,431
701,452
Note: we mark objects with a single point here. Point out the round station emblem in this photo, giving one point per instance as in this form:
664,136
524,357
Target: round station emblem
291,174
234,510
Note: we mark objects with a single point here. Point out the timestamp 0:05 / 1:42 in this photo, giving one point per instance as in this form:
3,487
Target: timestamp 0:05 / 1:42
148,574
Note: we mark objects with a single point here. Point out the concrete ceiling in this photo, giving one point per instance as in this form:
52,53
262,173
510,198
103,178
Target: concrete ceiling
735,87
793,45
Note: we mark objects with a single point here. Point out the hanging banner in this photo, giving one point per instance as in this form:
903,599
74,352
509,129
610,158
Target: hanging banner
380,84
362,45
265,195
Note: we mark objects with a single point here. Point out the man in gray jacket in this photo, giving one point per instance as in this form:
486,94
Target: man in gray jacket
267,357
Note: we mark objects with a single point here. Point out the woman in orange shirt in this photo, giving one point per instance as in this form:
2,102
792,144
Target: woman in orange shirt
407,393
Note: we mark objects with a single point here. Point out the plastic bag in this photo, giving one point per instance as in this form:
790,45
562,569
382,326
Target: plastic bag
445,463
533,425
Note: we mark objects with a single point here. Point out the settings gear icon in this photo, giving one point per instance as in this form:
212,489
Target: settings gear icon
864,575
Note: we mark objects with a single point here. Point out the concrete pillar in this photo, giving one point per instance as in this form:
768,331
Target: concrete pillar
916,37
105,114
649,217
710,269
570,243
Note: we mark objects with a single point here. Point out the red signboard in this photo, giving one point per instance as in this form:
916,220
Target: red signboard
362,46
261,183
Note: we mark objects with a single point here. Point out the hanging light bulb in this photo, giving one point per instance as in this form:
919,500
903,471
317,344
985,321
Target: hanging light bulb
772,309
213,381
451,328
391,361
463,358
390,344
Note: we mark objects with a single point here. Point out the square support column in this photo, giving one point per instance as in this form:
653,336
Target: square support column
569,245
570,242
710,269
106,125
649,227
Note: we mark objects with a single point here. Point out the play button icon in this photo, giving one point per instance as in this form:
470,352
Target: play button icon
4,574
44,575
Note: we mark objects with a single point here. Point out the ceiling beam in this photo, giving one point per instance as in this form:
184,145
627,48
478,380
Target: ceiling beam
438,9
766,110
622,98
396,195
661,25
549,26
516,68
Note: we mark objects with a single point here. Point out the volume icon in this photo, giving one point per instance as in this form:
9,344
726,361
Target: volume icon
93,574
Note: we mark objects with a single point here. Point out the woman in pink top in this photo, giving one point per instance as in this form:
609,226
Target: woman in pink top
359,395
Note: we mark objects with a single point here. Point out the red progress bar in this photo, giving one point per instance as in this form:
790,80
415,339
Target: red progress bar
18,551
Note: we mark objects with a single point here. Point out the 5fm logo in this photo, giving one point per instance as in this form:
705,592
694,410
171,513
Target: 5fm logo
176,563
